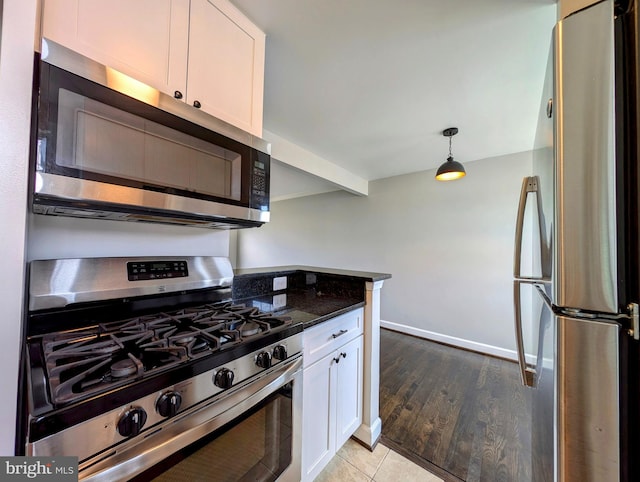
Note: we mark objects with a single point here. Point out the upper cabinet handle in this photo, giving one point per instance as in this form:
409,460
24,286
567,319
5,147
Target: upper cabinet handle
177,94
197,104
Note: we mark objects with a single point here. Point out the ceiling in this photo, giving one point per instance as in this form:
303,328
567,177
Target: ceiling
369,85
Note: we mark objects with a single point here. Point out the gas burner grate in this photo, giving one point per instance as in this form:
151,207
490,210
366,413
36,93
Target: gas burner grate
85,362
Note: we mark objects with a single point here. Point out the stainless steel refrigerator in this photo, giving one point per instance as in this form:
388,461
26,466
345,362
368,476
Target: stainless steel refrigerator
576,274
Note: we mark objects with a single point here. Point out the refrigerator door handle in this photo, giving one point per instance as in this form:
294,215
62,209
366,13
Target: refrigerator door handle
544,296
530,185
528,374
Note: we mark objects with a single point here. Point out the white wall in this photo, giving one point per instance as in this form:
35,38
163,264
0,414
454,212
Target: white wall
16,64
449,247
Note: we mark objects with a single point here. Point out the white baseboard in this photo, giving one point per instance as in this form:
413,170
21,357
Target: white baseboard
369,435
451,340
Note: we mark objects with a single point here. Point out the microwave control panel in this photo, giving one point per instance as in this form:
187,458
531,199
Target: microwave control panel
260,183
259,178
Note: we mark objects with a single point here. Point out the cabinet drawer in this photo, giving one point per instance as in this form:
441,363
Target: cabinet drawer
330,335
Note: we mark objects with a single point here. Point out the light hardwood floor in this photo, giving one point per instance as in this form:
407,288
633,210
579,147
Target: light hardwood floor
463,415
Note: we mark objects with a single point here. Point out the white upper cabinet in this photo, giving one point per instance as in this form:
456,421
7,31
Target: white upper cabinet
206,50
226,64
145,39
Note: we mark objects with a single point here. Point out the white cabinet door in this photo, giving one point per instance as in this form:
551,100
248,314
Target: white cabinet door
226,64
331,403
206,50
348,390
144,39
318,414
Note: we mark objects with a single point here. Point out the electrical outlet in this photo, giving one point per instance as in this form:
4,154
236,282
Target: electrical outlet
279,301
280,283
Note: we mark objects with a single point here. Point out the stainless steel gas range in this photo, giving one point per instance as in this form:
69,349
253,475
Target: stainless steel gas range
145,369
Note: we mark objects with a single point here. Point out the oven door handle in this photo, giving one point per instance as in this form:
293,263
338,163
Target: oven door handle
134,457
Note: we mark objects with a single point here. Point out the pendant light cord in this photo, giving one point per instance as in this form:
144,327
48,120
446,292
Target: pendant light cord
450,147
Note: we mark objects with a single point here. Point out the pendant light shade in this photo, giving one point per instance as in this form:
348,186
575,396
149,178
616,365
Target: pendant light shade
451,169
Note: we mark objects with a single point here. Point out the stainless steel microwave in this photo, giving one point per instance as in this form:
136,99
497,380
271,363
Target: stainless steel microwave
106,146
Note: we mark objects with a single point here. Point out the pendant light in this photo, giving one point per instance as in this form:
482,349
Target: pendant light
451,169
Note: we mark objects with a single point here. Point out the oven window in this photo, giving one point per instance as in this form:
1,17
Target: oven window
256,446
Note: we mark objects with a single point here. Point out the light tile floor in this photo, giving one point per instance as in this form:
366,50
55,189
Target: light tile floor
354,463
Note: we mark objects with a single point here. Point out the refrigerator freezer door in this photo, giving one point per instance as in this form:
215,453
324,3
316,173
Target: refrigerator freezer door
536,346
588,402
585,254
532,307
543,436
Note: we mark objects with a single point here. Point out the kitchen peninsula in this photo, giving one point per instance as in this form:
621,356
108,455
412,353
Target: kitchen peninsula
340,310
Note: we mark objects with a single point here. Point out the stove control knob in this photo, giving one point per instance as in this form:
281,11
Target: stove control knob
168,404
223,378
263,359
131,422
280,352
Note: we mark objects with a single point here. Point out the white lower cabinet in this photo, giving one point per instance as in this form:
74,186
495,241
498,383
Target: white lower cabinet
332,390
318,440
348,390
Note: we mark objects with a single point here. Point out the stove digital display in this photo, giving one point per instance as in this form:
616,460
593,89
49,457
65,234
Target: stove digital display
146,270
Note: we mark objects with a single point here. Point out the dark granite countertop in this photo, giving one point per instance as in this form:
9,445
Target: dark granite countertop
281,270
305,306
312,295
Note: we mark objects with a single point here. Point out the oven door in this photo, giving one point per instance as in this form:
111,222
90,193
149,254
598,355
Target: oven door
252,433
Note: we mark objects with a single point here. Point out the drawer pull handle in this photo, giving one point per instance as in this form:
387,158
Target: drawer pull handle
340,333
